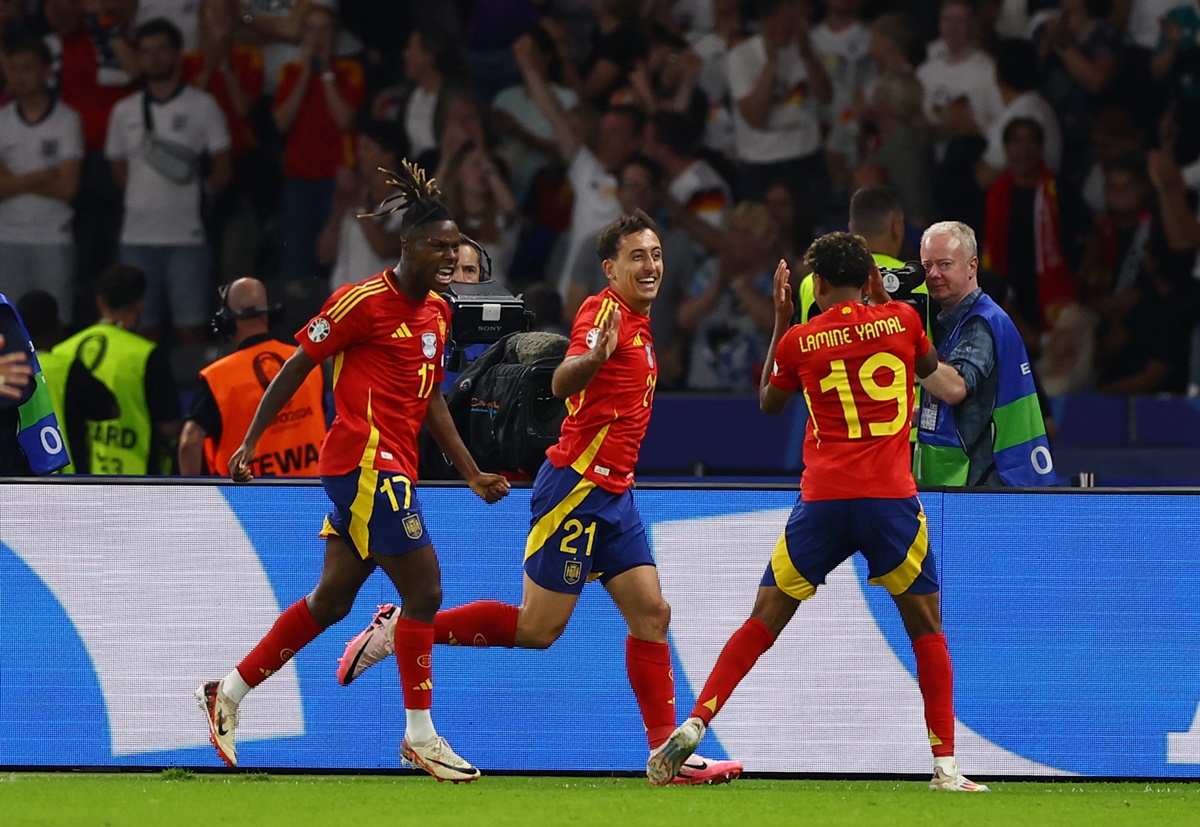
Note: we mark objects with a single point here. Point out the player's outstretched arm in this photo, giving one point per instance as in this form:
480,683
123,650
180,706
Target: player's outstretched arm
574,374
490,488
772,400
945,383
282,388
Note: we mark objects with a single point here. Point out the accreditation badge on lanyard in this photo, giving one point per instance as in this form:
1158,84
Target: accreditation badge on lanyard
928,415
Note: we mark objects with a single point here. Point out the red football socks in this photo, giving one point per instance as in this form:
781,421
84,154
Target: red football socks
291,632
936,679
414,656
649,668
482,623
738,657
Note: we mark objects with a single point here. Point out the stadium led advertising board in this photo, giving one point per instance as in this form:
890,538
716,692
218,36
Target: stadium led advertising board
1072,618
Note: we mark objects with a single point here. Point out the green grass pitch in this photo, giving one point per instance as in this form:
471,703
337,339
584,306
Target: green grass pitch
176,798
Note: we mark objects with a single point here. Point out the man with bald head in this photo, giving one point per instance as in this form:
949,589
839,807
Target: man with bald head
230,390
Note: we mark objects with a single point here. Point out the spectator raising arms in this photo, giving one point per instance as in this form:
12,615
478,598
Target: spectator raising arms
233,75
315,106
527,140
592,174
432,64
728,309
777,84
483,205
354,245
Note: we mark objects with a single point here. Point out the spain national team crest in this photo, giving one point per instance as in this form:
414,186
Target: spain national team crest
429,345
572,571
412,526
318,329
650,356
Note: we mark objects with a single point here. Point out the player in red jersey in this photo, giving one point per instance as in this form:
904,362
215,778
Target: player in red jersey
386,336
854,363
584,524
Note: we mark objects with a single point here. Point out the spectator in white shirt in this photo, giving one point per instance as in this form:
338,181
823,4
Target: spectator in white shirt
1017,78
432,65
728,30
778,83
357,247
526,138
843,42
697,198
961,96
41,152
156,142
591,173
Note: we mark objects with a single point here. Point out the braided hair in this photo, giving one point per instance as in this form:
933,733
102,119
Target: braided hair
416,194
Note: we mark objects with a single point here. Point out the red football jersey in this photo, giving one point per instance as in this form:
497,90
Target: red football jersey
316,146
607,420
854,363
387,351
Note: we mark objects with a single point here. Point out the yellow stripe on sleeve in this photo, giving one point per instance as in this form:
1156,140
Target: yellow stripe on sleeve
344,309
352,292
606,306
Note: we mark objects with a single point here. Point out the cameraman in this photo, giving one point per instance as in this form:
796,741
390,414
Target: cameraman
230,390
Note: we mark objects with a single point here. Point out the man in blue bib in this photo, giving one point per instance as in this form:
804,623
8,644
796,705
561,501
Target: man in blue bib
980,423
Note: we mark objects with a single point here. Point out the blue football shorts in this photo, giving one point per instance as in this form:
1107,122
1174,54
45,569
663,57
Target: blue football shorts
376,512
820,535
579,532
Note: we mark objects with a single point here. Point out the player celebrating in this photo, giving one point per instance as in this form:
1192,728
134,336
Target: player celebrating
585,525
386,335
855,364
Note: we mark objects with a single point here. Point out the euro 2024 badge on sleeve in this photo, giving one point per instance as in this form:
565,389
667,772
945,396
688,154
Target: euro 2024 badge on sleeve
318,329
429,345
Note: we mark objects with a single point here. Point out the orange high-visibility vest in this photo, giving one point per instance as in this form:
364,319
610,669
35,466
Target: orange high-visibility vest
290,445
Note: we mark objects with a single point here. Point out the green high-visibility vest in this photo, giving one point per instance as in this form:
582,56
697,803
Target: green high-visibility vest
118,358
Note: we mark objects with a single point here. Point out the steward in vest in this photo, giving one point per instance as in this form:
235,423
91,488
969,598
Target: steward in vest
141,438
980,422
76,395
30,439
232,387
877,214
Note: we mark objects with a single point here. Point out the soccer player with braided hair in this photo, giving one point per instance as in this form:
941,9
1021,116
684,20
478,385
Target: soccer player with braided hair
855,364
387,335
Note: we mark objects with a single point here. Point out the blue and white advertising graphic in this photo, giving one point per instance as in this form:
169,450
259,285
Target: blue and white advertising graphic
1073,620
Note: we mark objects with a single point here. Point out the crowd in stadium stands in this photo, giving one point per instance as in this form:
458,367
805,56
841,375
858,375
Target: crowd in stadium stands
206,140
